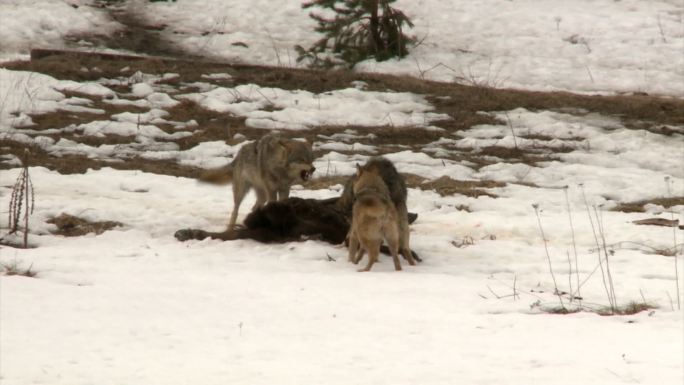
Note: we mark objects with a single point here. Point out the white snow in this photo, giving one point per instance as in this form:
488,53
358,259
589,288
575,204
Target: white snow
141,90
23,93
579,45
26,24
300,109
247,312
135,306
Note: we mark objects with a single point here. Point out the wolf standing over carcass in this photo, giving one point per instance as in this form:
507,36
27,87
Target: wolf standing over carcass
378,198
396,186
270,165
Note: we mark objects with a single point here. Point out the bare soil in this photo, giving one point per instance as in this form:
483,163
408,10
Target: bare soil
638,206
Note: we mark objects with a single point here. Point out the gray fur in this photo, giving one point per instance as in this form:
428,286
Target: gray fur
270,166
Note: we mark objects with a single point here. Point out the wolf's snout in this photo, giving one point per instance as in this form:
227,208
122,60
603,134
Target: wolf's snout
306,174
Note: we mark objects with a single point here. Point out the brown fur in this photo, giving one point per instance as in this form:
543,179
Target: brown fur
396,185
374,218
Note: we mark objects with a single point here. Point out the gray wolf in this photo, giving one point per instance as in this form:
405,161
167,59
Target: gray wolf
270,166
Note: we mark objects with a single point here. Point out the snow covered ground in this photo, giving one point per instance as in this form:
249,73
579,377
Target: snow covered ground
26,24
579,45
135,306
102,306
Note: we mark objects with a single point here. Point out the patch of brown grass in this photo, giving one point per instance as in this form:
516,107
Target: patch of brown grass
629,309
325,182
561,310
78,164
10,269
638,206
413,180
446,186
60,118
72,226
212,125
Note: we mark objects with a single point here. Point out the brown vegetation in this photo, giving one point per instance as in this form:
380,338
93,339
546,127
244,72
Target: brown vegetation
72,226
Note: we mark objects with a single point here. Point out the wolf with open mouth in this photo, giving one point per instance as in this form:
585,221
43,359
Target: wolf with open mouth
271,165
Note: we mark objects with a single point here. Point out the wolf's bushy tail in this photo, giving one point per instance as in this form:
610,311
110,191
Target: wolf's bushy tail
218,176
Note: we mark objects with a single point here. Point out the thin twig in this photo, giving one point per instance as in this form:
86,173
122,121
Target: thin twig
674,239
602,233
515,292
598,245
548,257
510,125
492,291
574,243
662,34
273,45
569,274
589,72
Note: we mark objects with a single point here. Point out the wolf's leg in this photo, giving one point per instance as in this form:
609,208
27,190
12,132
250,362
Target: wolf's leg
373,248
404,234
392,239
261,198
271,194
359,254
283,193
240,189
353,247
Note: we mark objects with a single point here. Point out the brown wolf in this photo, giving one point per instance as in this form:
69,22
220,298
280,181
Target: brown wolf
397,191
270,165
374,218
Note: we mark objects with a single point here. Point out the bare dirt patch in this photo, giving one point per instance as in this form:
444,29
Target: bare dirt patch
447,186
325,182
443,186
79,164
638,206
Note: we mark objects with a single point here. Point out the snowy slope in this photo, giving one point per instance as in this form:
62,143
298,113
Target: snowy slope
26,24
582,45
579,45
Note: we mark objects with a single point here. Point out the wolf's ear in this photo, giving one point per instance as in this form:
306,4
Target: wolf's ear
359,170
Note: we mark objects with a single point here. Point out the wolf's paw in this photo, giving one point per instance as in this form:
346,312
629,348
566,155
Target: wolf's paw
187,234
